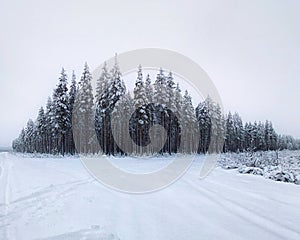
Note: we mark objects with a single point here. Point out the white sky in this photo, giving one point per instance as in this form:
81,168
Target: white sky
250,49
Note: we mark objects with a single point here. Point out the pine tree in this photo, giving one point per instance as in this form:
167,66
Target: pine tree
260,142
178,99
230,136
84,117
148,89
238,131
189,124
123,110
29,136
204,121
102,82
70,148
173,115
105,105
53,128
50,117
41,131
141,119
61,112
160,89
160,110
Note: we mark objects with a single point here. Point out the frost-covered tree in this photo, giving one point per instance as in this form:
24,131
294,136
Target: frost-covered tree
270,136
141,117
160,100
160,89
70,145
102,82
260,138
52,131
84,117
104,107
61,112
173,116
204,121
29,136
50,123
238,131
229,142
234,133
148,89
188,124
123,110
41,131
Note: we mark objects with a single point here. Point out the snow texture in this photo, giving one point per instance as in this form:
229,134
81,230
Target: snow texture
55,198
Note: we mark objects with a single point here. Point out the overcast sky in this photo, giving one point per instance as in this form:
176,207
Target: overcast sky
250,49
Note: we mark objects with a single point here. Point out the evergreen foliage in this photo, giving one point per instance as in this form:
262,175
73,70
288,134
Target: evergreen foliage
74,114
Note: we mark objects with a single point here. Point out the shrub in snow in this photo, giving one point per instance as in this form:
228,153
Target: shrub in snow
285,168
281,175
251,170
297,179
233,166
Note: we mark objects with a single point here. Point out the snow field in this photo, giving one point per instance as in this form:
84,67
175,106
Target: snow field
55,198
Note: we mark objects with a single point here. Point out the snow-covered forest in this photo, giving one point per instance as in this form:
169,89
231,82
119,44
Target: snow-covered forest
155,101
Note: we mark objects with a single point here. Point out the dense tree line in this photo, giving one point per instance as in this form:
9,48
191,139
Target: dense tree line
115,122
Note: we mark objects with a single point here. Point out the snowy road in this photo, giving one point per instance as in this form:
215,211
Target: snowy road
55,198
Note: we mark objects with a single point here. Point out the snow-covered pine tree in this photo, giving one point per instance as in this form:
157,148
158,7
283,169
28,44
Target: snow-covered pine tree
139,90
260,141
84,117
123,110
160,111
29,136
173,115
41,131
238,131
220,129
214,118
49,115
270,136
203,117
102,82
70,145
148,89
104,107
61,112
141,116
189,124
19,143
254,133
274,139
178,99
248,137
160,89
230,134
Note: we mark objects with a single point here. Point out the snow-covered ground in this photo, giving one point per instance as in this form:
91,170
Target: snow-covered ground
55,198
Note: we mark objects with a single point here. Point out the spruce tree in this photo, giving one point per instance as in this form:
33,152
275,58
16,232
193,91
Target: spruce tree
104,107
84,117
61,112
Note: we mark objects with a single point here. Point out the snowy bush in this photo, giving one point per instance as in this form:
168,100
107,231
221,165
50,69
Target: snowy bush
251,170
297,179
281,166
281,176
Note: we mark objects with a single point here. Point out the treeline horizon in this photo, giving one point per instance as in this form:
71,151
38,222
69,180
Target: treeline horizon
75,121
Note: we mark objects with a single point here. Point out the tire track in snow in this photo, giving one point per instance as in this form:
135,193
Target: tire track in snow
30,205
254,197
51,188
5,186
242,212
